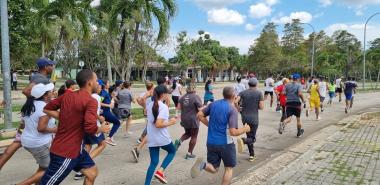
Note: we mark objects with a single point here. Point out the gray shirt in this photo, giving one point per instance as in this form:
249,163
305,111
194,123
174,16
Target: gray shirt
292,90
250,100
125,99
39,78
190,103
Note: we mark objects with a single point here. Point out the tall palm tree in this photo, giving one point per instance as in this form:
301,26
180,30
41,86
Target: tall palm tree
138,12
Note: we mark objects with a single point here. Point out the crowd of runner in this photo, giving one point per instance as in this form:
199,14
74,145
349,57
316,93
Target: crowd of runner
90,111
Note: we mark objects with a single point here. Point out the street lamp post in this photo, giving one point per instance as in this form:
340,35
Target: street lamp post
6,64
313,49
364,44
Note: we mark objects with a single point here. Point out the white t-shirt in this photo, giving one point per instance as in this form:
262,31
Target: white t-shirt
158,136
337,83
322,89
98,99
31,138
176,90
14,76
239,87
245,83
269,85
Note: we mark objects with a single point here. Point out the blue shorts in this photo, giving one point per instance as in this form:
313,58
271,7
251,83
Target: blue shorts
218,153
60,167
331,94
348,96
93,139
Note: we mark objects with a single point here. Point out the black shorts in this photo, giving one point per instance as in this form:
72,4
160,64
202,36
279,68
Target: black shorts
93,139
293,109
268,92
218,153
338,90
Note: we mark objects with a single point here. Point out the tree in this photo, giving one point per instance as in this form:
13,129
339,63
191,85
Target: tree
265,54
135,13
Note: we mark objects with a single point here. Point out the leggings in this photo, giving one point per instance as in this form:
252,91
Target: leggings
193,133
155,158
175,100
112,119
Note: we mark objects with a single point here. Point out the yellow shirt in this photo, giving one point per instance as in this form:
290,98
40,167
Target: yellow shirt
314,92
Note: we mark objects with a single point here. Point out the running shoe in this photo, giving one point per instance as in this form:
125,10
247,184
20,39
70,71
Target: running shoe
138,141
161,177
78,176
177,144
319,118
110,141
198,167
322,109
307,112
345,110
190,156
300,132
240,144
128,134
136,154
252,158
281,127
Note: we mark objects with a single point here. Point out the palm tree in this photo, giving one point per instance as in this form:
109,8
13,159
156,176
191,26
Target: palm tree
125,13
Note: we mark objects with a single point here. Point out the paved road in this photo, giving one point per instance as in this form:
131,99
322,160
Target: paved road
117,167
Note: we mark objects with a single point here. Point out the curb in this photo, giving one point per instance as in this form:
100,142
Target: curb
273,167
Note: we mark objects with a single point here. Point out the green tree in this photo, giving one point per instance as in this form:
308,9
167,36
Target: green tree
265,54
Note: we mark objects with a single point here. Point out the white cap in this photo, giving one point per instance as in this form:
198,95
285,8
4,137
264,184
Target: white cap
40,89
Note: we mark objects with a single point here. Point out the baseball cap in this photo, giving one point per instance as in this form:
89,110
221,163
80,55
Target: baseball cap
253,82
43,61
100,82
118,82
296,76
40,89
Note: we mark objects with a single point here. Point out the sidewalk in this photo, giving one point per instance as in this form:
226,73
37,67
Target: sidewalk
336,155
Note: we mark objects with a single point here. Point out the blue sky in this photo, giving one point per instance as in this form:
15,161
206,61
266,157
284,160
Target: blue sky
239,22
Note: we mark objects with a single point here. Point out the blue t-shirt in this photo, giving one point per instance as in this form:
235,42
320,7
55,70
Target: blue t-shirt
222,117
106,99
208,95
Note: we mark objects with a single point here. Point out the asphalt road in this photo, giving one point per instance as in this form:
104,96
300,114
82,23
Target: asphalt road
116,164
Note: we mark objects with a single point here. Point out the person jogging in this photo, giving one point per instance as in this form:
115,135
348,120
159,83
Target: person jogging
315,100
124,100
293,92
349,91
322,92
97,139
39,129
107,114
269,89
339,87
251,101
331,86
280,91
189,104
222,124
209,93
176,91
77,116
158,135
239,86
68,87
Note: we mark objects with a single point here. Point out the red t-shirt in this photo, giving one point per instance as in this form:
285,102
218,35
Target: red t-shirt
282,96
78,115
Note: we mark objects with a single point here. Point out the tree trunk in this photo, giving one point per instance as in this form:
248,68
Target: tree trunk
378,77
370,78
109,69
43,47
131,56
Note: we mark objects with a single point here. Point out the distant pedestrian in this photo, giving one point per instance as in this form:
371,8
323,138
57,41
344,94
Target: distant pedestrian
269,89
124,101
280,91
14,80
315,99
332,87
349,91
239,86
322,92
176,91
339,87
209,93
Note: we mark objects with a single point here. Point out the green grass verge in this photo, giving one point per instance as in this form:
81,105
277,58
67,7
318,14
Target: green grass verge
15,108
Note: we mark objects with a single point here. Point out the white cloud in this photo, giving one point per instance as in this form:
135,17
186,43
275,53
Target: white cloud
216,4
304,17
325,3
250,27
361,2
225,16
241,41
355,29
271,2
95,3
259,10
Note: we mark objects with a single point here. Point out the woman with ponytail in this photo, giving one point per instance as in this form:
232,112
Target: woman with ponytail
39,129
158,134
